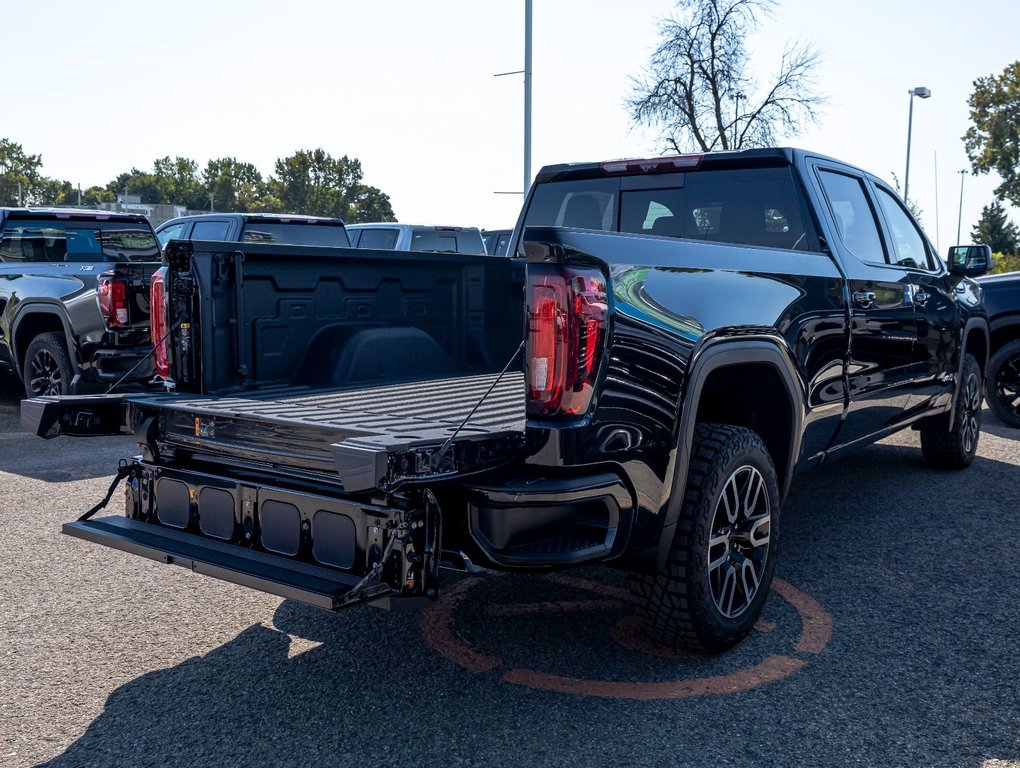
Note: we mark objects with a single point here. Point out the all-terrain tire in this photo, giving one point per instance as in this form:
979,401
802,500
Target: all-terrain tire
47,369
680,606
956,448
1002,387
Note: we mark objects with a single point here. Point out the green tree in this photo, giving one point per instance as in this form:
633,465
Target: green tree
993,141
235,186
699,90
173,181
315,183
20,175
995,229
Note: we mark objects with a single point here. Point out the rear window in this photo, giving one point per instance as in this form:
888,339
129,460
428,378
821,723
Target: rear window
386,239
40,241
447,241
755,206
331,235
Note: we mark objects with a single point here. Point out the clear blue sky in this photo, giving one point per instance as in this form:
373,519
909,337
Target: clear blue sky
408,87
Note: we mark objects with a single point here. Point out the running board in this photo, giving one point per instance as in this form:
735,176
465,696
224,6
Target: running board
281,576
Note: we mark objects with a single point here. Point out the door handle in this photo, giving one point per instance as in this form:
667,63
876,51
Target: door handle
921,297
864,299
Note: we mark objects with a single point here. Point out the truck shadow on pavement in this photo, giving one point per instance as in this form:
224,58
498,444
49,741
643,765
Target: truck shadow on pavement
905,560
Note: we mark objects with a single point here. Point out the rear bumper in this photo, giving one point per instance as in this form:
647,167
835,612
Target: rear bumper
526,521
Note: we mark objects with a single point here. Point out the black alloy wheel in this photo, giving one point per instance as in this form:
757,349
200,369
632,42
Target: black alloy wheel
1002,390
47,368
956,448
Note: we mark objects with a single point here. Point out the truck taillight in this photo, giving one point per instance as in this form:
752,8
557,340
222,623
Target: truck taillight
568,313
158,322
113,303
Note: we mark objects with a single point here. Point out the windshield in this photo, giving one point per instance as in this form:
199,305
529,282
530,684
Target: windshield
77,241
295,233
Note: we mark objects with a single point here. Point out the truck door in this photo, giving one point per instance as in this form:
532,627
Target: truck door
881,364
936,353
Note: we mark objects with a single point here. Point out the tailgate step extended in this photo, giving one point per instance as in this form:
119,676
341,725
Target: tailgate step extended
281,576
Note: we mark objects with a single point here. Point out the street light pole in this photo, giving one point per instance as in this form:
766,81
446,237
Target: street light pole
924,93
959,216
736,115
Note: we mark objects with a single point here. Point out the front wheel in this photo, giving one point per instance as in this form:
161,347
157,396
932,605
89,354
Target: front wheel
1002,388
47,367
956,448
720,565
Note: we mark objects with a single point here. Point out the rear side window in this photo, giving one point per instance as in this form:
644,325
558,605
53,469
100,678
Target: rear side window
385,239
447,241
52,241
855,220
210,230
295,234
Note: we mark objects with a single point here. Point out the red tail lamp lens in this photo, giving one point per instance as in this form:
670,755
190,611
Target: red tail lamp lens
568,313
113,301
158,322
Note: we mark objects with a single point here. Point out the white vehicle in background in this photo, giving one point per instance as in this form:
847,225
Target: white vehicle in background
411,237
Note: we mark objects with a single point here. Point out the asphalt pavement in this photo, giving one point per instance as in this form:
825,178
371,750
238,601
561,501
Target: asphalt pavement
891,639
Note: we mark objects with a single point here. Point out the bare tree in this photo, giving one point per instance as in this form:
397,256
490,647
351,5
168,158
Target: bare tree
697,90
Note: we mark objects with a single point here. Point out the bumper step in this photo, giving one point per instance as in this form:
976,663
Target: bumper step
291,579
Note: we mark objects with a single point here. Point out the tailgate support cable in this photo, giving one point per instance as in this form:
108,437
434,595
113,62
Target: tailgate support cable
123,470
134,367
437,458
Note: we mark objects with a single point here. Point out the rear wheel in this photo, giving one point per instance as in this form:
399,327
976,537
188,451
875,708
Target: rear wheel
720,565
47,368
956,448
1002,388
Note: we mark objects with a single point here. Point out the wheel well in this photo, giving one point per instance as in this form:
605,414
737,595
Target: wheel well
977,345
1002,336
31,326
752,395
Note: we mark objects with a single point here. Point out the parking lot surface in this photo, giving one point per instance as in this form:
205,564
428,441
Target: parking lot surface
892,638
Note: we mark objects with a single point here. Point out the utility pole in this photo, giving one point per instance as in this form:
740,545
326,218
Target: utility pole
527,96
736,116
924,93
938,246
959,216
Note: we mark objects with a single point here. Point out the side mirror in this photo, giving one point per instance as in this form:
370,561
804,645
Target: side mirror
970,260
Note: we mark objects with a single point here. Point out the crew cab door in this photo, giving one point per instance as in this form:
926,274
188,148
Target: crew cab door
937,349
881,366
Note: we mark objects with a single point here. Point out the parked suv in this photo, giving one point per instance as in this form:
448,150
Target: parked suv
74,298
410,237
497,241
289,229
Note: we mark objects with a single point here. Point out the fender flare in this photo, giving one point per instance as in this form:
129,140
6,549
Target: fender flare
714,355
971,324
41,308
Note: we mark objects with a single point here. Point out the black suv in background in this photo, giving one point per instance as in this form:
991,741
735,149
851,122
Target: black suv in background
74,298
256,228
497,241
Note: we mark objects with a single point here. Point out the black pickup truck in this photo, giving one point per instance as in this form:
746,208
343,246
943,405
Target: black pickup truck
74,298
1002,387
680,338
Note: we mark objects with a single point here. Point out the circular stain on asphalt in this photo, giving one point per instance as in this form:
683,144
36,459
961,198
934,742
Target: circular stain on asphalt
505,635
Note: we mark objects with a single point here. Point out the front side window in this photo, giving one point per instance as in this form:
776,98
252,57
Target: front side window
173,232
907,243
855,220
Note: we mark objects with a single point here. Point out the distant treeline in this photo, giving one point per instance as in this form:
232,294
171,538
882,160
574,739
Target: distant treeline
309,182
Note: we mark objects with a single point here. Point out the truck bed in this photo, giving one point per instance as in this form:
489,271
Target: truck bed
338,430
